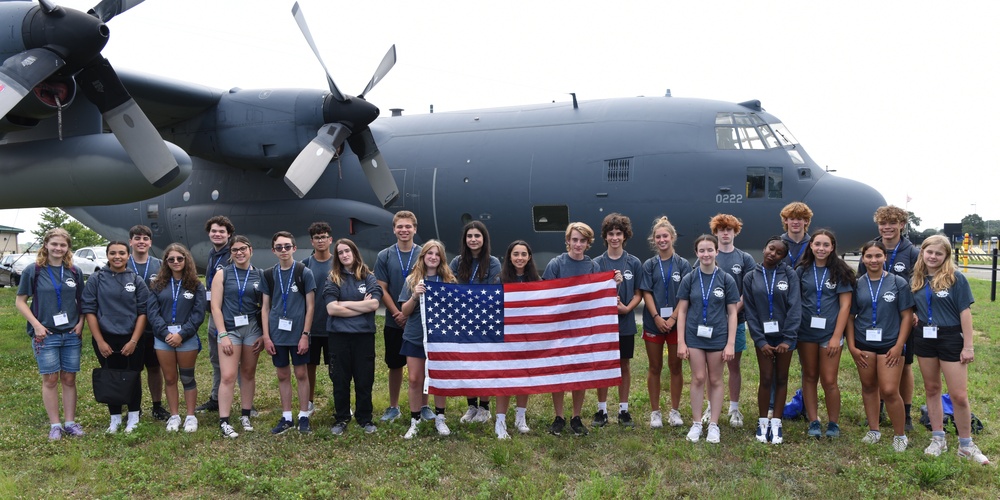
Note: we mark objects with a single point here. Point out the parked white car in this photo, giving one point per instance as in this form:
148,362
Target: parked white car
90,259
11,267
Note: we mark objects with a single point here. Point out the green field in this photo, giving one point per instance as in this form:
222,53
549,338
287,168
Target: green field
609,463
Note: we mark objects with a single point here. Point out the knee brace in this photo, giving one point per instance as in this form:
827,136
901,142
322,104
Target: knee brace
187,379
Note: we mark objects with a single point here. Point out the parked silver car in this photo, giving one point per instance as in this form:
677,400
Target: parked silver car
11,267
90,259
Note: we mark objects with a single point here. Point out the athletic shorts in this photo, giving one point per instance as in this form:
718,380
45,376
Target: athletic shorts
319,346
246,335
908,350
947,347
411,350
149,358
881,351
191,344
58,352
661,338
284,352
741,337
626,345
393,344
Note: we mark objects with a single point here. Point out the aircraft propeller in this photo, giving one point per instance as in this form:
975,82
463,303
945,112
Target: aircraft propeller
352,116
66,43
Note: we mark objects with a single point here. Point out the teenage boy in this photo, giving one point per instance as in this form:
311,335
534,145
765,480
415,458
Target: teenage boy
795,219
899,260
220,233
289,297
140,238
321,236
616,230
737,263
392,266
573,262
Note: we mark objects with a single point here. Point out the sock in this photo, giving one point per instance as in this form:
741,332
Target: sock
157,404
734,405
521,412
133,416
484,403
622,407
472,401
501,418
306,414
244,412
602,407
964,442
938,434
697,424
116,418
69,423
415,415
55,425
439,411
287,415
223,420
906,409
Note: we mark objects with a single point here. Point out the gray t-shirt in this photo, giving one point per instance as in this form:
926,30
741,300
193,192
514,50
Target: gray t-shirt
631,270
287,301
656,274
251,283
736,263
562,266
351,290
893,297
720,290
321,272
829,303
392,267
946,306
45,303
492,274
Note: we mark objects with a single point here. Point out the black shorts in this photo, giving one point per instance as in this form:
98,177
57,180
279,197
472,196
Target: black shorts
881,351
908,350
626,344
148,351
318,346
946,347
393,343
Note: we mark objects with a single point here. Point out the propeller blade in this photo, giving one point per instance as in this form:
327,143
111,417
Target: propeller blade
311,162
134,131
376,169
22,72
107,9
300,19
388,61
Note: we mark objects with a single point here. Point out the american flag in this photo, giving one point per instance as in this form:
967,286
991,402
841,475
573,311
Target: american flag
522,338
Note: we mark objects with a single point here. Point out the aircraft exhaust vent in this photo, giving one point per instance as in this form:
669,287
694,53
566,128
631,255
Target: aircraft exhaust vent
619,169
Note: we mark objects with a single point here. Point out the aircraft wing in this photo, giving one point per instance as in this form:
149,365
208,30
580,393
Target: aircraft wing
166,101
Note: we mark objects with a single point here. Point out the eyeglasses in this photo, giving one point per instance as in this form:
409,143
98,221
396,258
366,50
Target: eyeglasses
321,237
240,249
175,259
283,248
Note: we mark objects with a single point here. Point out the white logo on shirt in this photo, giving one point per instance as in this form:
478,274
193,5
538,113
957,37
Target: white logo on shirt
152,278
889,297
942,294
627,275
782,285
188,295
130,287
361,288
737,269
70,282
294,288
677,277
719,292
830,285
256,284
899,267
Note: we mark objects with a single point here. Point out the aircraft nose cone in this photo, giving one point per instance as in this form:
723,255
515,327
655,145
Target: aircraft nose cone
846,207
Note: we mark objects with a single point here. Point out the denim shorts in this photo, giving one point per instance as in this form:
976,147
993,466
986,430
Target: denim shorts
58,352
191,344
246,335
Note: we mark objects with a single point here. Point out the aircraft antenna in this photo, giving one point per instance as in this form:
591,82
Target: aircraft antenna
575,104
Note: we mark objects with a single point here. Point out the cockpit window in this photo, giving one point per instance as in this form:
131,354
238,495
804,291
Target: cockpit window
749,131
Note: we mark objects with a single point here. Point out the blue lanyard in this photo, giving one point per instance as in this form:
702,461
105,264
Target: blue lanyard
211,272
874,297
145,270
930,314
802,248
175,292
475,269
819,287
769,289
670,272
406,268
241,287
284,289
57,285
705,293
888,265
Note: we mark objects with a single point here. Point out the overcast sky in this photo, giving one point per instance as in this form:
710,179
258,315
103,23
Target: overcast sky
898,95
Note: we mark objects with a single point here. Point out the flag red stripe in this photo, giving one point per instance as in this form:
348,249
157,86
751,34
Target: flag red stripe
519,355
526,372
560,334
538,389
560,299
560,317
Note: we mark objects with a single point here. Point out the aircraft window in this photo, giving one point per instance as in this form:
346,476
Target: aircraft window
619,169
742,119
770,141
749,138
774,180
784,135
725,138
153,211
756,187
723,118
550,217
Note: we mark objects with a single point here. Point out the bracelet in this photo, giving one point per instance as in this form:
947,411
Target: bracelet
223,335
968,349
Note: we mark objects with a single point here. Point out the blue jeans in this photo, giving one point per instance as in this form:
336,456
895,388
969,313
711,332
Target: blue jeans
58,352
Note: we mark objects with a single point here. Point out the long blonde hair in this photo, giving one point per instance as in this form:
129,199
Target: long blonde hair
420,269
42,258
944,278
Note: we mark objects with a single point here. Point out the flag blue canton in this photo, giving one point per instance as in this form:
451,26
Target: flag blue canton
464,313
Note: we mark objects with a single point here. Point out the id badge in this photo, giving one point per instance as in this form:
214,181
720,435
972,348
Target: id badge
208,295
771,327
241,320
174,329
930,332
666,312
873,335
818,322
285,324
704,331
60,318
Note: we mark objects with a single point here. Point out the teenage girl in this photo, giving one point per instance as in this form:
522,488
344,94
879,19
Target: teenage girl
518,267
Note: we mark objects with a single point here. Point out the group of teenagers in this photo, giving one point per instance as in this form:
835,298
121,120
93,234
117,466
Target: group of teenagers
901,303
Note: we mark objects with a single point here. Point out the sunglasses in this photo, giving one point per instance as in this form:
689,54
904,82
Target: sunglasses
240,249
175,259
283,248
321,237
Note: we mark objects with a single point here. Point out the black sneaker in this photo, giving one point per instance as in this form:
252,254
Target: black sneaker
282,427
557,426
210,405
160,413
304,425
578,428
338,428
600,418
625,419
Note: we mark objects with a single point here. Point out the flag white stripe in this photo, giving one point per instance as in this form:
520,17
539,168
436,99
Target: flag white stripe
586,305
488,347
572,359
547,294
575,324
528,381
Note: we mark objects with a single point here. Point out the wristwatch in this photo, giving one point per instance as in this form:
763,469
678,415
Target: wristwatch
305,334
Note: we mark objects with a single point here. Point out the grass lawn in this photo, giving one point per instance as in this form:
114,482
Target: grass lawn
609,463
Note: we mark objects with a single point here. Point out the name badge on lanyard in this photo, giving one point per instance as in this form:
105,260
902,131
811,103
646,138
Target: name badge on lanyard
873,335
666,312
930,332
818,322
208,295
174,329
771,326
285,324
60,318
705,331
241,320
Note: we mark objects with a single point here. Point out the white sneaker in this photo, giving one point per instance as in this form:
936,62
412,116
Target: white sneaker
674,418
735,418
776,437
972,453
190,423
706,416
763,429
133,421
713,433
482,415
521,424
899,443
501,430
228,431
470,414
174,423
245,422
937,447
871,437
412,432
655,419
116,422
695,433
441,427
